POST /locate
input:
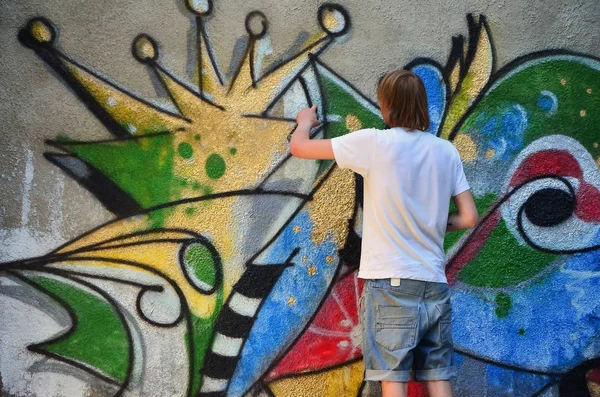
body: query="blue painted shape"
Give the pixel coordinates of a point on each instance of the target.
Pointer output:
(477, 378)
(489, 128)
(436, 93)
(558, 336)
(280, 321)
(514, 124)
(503, 130)
(548, 102)
(503, 382)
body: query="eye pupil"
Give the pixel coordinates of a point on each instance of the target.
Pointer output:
(549, 207)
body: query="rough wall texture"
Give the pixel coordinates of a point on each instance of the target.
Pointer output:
(158, 240)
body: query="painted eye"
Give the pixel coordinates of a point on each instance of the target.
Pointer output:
(541, 213)
(549, 207)
(201, 264)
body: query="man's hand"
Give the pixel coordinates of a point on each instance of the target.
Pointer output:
(308, 116)
(301, 145)
(466, 216)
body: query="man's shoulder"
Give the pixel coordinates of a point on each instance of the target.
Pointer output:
(440, 142)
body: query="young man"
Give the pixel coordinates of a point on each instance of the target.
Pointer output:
(410, 176)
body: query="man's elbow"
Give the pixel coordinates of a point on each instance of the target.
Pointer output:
(297, 150)
(294, 149)
(472, 220)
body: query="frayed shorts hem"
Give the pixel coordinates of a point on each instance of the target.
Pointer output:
(387, 376)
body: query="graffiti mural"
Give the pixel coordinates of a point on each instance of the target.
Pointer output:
(230, 267)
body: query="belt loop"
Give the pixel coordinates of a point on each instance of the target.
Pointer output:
(395, 282)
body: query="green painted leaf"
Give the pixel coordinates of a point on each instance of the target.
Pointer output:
(98, 339)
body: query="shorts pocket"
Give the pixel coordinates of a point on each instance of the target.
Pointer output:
(396, 327)
(445, 311)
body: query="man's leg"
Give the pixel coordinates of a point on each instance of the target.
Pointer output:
(394, 389)
(439, 388)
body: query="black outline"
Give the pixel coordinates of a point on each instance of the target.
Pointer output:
(216, 258)
(202, 39)
(135, 53)
(445, 79)
(334, 7)
(246, 287)
(157, 68)
(508, 68)
(110, 195)
(52, 57)
(502, 200)
(38, 347)
(264, 22)
(40, 266)
(56, 60)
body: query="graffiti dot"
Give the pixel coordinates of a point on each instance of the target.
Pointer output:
(215, 166)
(196, 186)
(521, 331)
(232, 150)
(200, 7)
(596, 144)
(183, 182)
(190, 211)
(41, 31)
(197, 137)
(466, 147)
(346, 323)
(206, 190)
(185, 150)
(563, 81)
(344, 343)
(582, 113)
(312, 270)
(256, 25)
(304, 259)
(490, 153)
(548, 102)
(334, 19)
(199, 265)
(353, 123)
(297, 229)
(589, 90)
(111, 101)
(549, 207)
(503, 305)
(329, 259)
(291, 301)
(145, 48)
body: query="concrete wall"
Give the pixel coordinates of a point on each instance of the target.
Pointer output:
(158, 240)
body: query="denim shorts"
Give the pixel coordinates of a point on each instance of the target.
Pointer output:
(406, 327)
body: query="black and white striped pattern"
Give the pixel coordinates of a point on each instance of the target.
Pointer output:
(234, 325)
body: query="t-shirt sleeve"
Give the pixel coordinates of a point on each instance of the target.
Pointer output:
(460, 180)
(355, 150)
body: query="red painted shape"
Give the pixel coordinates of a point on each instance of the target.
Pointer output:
(331, 338)
(593, 375)
(417, 389)
(469, 251)
(547, 162)
(588, 203)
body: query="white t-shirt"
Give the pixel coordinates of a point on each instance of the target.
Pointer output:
(409, 179)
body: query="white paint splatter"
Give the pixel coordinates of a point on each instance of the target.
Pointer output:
(56, 200)
(27, 185)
